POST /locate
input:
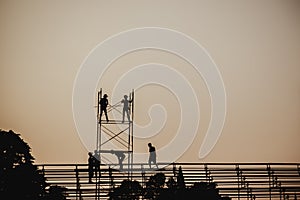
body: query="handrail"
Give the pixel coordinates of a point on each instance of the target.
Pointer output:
(236, 180)
(185, 163)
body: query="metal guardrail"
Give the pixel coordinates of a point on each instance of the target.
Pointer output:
(234, 180)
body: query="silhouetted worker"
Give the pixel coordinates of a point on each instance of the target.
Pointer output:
(96, 163)
(152, 155)
(126, 102)
(121, 156)
(103, 106)
(91, 166)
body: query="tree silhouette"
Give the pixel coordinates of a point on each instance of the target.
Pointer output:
(127, 190)
(177, 190)
(157, 189)
(19, 178)
(205, 191)
(56, 193)
(13, 151)
(154, 186)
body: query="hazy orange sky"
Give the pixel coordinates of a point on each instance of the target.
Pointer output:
(254, 43)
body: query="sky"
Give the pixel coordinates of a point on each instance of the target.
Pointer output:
(255, 45)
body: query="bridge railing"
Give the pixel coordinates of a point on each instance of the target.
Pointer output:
(235, 180)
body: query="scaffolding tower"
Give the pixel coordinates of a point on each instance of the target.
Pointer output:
(117, 131)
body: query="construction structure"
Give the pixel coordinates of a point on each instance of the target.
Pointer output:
(114, 148)
(115, 136)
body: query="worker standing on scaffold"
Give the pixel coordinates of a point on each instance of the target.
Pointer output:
(152, 155)
(90, 166)
(103, 105)
(126, 102)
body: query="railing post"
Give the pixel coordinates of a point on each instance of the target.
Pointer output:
(143, 175)
(78, 191)
(270, 180)
(237, 168)
(174, 170)
(111, 177)
(207, 174)
(44, 176)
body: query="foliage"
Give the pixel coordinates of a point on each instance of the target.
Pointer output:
(157, 189)
(154, 186)
(19, 178)
(56, 193)
(127, 190)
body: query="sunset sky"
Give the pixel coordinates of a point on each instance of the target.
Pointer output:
(255, 45)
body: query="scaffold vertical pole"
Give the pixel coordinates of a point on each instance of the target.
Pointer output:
(114, 130)
(98, 143)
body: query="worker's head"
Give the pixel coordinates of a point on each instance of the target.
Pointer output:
(149, 144)
(125, 96)
(105, 95)
(90, 153)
